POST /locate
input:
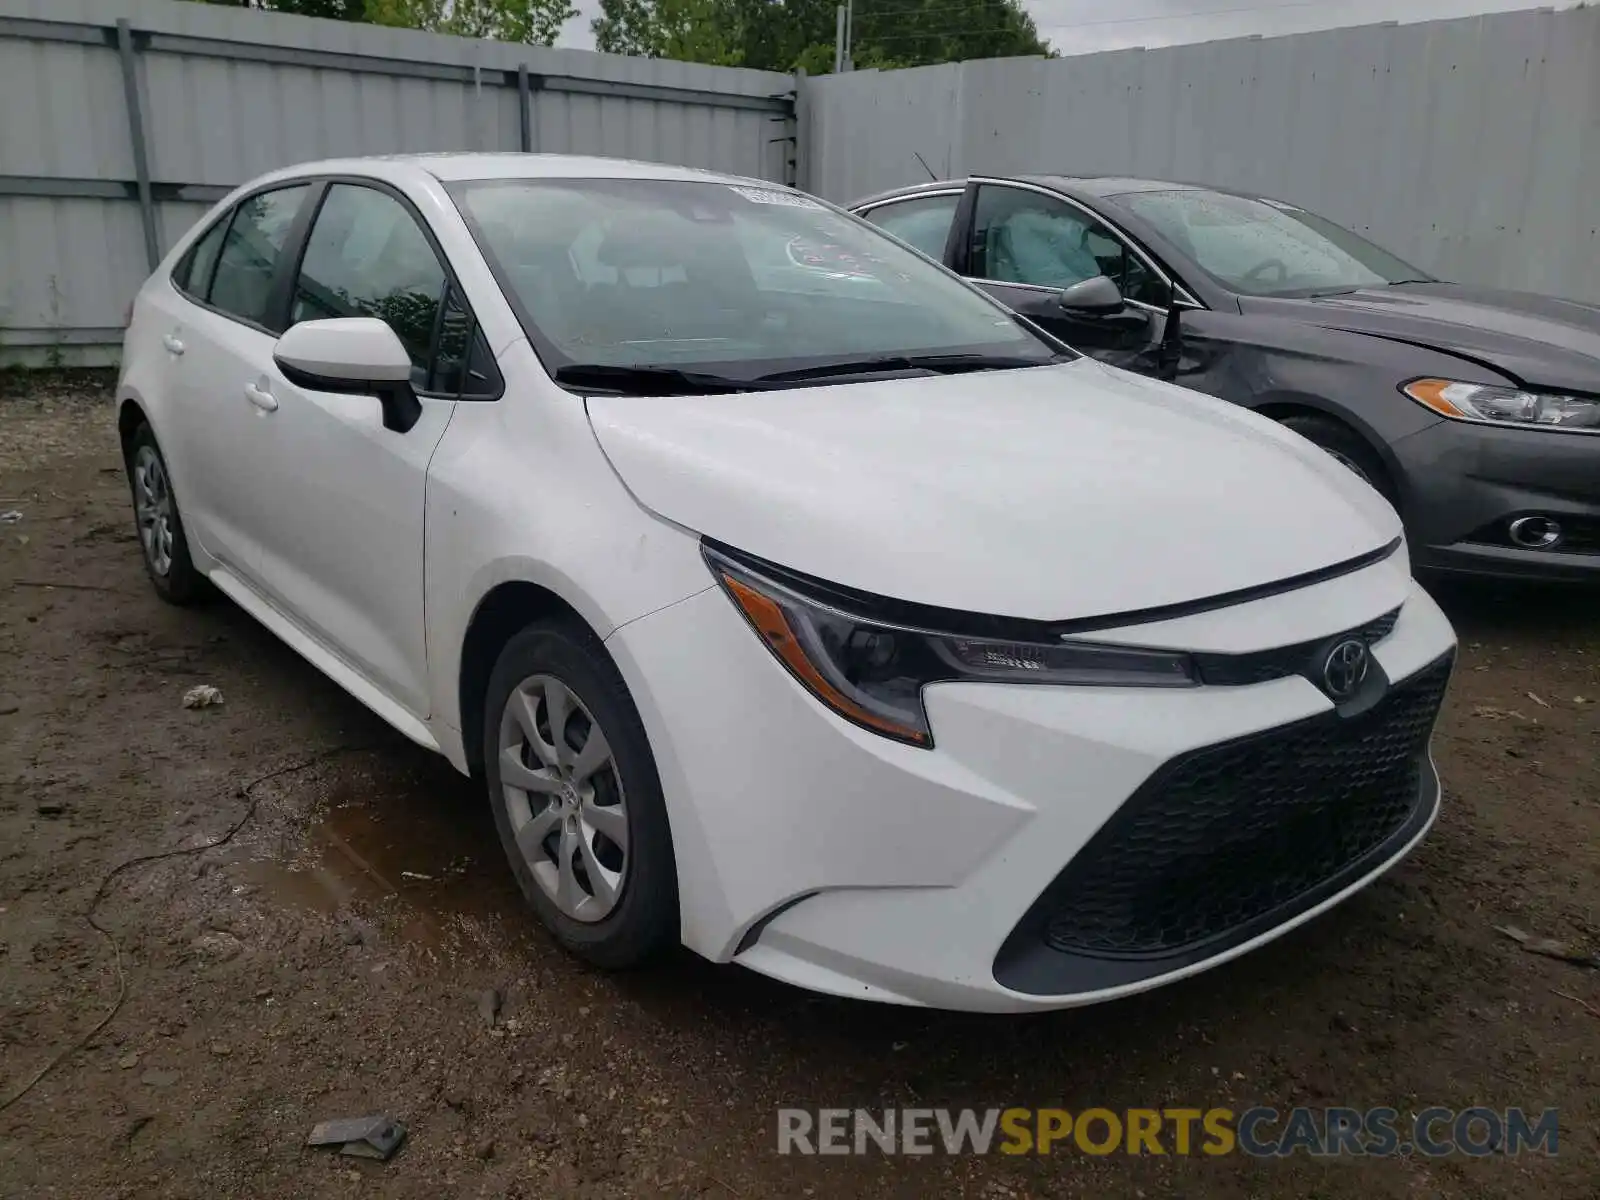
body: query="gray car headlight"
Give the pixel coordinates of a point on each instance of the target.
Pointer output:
(872, 672)
(1505, 405)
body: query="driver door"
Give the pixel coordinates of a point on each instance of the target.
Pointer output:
(343, 553)
(1027, 247)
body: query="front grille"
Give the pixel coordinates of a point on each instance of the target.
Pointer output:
(1238, 670)
(1225, 836)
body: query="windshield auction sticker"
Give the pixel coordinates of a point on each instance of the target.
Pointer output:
(763, 196)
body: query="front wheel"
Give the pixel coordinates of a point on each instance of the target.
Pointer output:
(1345, 446)
(576, 798)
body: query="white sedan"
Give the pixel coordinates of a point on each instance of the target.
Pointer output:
(801, 606)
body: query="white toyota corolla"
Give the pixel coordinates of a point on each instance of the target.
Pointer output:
(794, 600)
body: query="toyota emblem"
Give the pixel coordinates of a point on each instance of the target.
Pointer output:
(1345, 668)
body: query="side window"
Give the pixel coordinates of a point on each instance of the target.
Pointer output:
(248, 263)
(923, 222)
(1135, 280)
(367, 257)
(193, 273)
(483, 381)
(1019, 236)
(462, 364)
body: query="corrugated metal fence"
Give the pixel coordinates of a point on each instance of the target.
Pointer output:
(1470, 147)
(121, 121)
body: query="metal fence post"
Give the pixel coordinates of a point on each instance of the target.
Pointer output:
(799, 168)
(525, 107)
(141, 159)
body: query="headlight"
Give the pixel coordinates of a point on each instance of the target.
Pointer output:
(1505, 405)
(872, 672)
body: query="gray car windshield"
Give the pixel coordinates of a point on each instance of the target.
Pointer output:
(1266, 247)
(745, 281)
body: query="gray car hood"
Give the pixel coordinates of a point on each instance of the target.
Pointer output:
(1536, 341)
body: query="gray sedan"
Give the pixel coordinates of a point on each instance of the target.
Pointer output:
(1477, 412)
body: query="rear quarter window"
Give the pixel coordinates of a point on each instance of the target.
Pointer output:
(193, 272)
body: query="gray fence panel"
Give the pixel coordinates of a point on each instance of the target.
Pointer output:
(1470, 146)
(226, 94)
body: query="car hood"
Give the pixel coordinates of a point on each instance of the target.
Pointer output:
(1053, 492)
(1538, 341)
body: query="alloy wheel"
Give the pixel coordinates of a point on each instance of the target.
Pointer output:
(152, 503)
(1346, 461)
(564, 798)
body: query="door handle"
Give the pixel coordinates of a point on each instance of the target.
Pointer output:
(261, 398)
(173, 345)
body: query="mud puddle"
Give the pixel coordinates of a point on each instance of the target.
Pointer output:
(408, 848)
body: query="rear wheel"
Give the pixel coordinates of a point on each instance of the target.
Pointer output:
(159, 523)
(1345, 446)
(576, 798)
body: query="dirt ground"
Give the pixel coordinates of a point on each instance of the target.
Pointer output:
(330, 960)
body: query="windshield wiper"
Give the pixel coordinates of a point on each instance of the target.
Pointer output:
(674, 381)
(648, 381)
(942, 363)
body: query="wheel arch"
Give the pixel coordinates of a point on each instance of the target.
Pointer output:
(130, 415)
(1280, 405)
(501, 613)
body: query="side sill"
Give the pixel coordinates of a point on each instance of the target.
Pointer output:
(320, 657)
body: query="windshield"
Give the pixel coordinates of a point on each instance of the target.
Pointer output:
(1266, 247)
(740, 281)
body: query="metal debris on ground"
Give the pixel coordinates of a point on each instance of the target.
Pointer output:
(360, 1137)
(1490, 713)
(202, 696)
(1538, 699)
(489, 1005)
(1549, 947)
(11, 516)
(416, 875)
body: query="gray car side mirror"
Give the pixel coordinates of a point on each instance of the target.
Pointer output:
(1092, 297)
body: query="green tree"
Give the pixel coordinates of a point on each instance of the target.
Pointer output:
(533, 22)
(781, 35)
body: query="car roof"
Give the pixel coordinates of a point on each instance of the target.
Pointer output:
(465, 165)
(1113, 185)
(1092, 186)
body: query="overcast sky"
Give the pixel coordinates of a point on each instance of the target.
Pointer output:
(1083, 26)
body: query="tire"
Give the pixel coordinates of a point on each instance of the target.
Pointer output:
(1346, 446)
(617, 904)
(159, 525)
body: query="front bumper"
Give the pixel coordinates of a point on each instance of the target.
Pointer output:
(818, 853)
(1464, 484)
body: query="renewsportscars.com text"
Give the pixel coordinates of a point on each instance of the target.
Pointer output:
(1260, 1132)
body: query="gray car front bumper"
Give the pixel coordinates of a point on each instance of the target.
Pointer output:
(1463, 484)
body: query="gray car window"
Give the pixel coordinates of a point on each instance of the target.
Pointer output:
(923, 222)
(1023, 236)
(1266, 247)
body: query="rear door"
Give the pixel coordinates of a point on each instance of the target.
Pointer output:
(343, 552)
(217, 328)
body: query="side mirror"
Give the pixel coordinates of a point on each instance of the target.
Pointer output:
(358, 356)
(1092, 297)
